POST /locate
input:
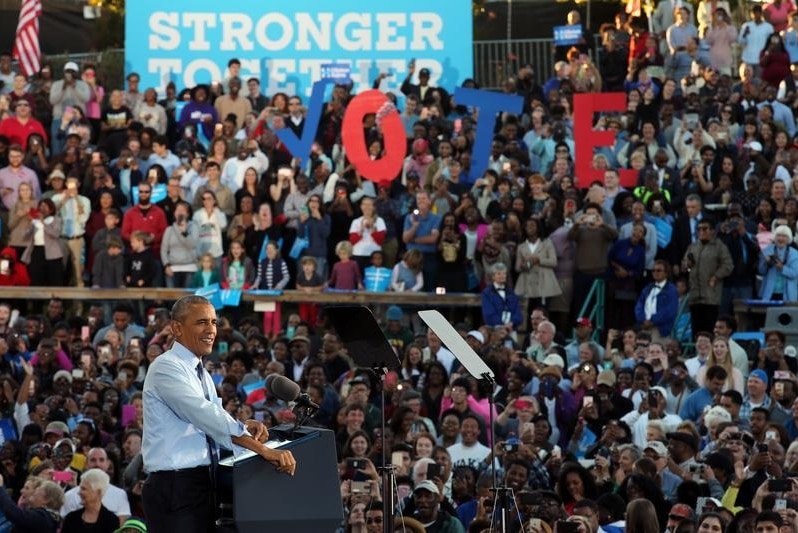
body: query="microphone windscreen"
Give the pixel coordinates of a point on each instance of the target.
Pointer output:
(284, 388)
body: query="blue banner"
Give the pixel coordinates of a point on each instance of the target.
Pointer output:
(287, 44)
(565, 35)
(336, 72)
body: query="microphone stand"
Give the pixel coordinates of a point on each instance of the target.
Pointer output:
(500, 493)
(387, 470)
(301, 415)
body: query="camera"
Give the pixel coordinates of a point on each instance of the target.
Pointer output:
(510, 445)
(696, 468)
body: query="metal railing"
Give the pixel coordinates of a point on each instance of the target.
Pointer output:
(593, 308)
(494, 61)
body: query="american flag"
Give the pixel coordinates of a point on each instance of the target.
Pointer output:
(26, 45)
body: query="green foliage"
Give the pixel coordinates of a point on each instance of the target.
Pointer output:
(110, 27)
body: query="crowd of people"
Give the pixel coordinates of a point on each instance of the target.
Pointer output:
(659, 421)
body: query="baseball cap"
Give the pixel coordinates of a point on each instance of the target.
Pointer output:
(427, 485)
(477, 335)
(132, 525)
(359, 379)
(71, 65)
(755, 145)
(57, 427)
(681, 511)
(56, 174)
(552, 371)
(299, 338)
(686, 438)
(760, 375)
(607, 377)
(394, 313)
(423, 72)
(62, 374)
(660, 390)
(554, 360)
(658, 447)
(584, 322)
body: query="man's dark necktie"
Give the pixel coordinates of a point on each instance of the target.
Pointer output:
(211, 443)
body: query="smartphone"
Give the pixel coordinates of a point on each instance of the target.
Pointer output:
(151, 320)
(360, 487)
(779, 485)
(105, 350)
(587, 401)
(434, 470)
(780, 504)
(781, 374)
(77, 373)
(85, 333)
(85, 360)
(527, 426)
(563, 526)
(762, 448)
(778, 389)
(748, 440)
(506, 167)
(5, 266)
(128, 414)
(65, 476)
(652, 399)
(397, 458)
(522, 404)
(134, 342)
(223, 347)
(701, 505)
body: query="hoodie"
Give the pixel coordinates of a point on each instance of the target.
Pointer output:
(15, 273)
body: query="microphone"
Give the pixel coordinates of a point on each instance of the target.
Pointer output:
(286, 390)
(304, 400)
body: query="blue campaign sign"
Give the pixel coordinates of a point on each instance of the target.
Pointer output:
(565, 35)
(287, 44)
(336, 72)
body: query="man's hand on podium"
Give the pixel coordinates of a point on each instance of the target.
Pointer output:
(257, 430)
(283, 460)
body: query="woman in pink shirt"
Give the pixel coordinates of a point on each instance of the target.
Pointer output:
(97, 93)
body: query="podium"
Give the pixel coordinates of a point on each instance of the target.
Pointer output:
(264, 499)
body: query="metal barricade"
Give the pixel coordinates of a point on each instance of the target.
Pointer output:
(494, 61)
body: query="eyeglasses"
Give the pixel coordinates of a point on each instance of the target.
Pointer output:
(143, 192)
(374, 520)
